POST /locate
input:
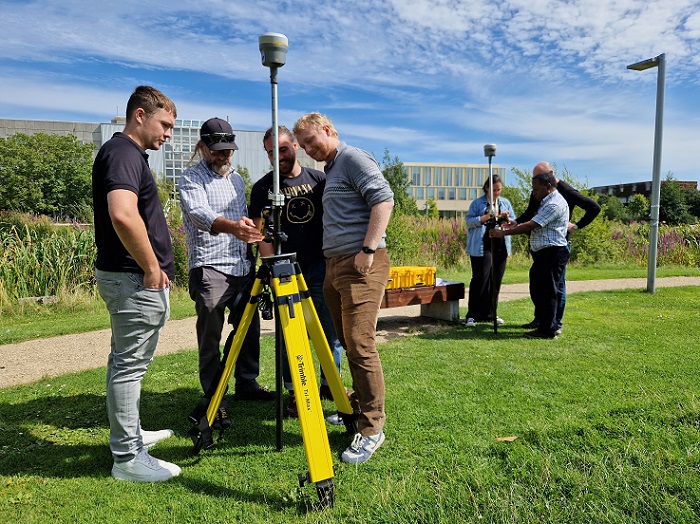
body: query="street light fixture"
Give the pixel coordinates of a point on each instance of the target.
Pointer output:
(660, 63)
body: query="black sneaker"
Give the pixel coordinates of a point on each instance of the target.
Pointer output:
(531, 325)
(256, 394)
(325, 392)
(536, 333)
(291, 408)
(222, 420)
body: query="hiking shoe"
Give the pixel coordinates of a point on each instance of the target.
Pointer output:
(335, 419)
(222, 420)
(362, 448)
(145, 468)
(151, 438)
(325, 392)
(291, 408)
(257, 394)
(531, 325)
(470, 322)
(536, 333)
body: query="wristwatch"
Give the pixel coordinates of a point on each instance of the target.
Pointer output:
(368, 250)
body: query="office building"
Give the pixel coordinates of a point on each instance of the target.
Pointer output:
(625, 192)
(451, 186)
(173, 157)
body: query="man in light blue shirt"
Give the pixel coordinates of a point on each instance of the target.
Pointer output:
(218, 231)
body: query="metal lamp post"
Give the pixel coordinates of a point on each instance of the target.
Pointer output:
(660, 63)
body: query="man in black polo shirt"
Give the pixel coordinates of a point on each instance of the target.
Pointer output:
(133, 270)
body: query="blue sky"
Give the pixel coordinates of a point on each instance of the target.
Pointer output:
(431, 81)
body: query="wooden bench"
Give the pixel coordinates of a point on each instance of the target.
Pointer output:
(441, 301)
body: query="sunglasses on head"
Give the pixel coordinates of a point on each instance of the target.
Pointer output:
(215, 138)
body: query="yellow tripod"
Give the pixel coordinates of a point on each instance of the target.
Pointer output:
(298, 321)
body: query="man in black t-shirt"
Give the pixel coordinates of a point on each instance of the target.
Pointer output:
(302, 222)
(133, 269)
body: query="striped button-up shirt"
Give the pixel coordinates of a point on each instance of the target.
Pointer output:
(553, 218)
(204, 196)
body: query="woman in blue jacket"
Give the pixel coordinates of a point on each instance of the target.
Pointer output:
(480, 219)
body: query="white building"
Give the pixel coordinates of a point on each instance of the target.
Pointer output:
(451, 186)
(173, 158)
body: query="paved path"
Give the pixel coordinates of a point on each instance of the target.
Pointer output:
(50, 357)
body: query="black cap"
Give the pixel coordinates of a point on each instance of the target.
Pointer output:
(218, 135)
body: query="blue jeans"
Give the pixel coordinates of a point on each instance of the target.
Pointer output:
(314, 274)
(137, 315)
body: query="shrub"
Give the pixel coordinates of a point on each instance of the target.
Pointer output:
(173, 216)
(420, 241)
(594, 243)
(38, 261)
(401, 240)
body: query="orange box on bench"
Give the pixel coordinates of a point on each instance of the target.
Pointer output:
(410, 276)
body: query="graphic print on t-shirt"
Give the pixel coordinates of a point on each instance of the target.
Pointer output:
(300, 209)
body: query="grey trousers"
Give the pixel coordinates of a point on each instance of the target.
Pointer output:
(212, 292)
(137, 315)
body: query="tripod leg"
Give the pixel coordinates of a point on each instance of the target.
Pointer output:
(236, 345)
(324, 354)
(201, 432)
(313, 426)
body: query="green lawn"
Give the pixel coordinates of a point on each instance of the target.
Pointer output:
(606, 421)
(88, 314)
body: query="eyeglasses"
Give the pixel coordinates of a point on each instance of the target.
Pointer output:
(215, 138)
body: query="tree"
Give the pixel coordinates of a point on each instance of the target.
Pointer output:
(519, 192)
(639, 207)
(433, 211)
(613, 209)
(692, 198)
(517, 198)
(245, 175)
(673, 208)
(397, 176)
(46, 174)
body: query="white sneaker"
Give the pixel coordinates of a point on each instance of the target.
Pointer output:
(145, 468)
(335, 419)
(362, 448)
(500, 321)
(151, 438)
(471, 322)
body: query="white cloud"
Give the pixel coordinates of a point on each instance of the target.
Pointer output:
(424, 77)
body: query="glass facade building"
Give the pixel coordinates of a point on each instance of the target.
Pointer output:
(451, 186)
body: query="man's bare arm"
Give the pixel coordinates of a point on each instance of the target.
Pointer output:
(127, 222)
